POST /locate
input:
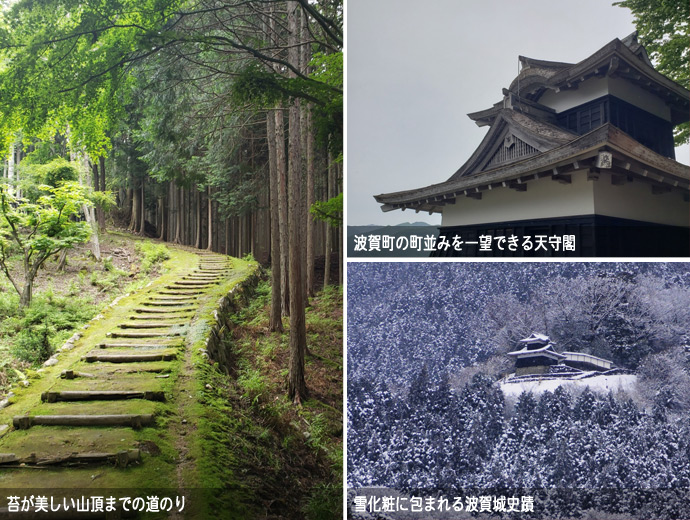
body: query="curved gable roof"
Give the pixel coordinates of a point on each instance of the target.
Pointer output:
(639, 160)
(537, 134)
(623, 58)
(536, 73)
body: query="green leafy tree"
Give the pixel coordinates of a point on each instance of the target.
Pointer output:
(328, 69)
(663, 29)
(330, 210)
(38, 230)
(52, 174)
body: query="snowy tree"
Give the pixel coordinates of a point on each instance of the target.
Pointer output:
(425, 412)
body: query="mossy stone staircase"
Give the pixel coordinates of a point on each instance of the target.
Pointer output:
(104, 416)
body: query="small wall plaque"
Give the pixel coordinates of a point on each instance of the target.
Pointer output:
(604, 160)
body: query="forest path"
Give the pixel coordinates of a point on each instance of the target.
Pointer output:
(110, 413)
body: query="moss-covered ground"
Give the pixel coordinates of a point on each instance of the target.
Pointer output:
(225, 437)
(65, 299)
(158, 444)
(257, 454)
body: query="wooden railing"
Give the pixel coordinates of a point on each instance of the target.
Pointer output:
(578, 357)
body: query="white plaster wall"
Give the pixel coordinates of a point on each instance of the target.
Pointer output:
(594, 88)
(544, 198)
(639, 97)
(634, 200)
(588, 90)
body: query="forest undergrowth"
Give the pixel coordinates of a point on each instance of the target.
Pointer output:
(427, 413)
(66, 299)
(271, 458)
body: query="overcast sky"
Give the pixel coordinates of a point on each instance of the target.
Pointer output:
(415, 69)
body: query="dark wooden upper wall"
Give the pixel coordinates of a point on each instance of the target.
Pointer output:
(648, 129)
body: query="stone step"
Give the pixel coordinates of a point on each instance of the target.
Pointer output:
(182, 319)
(166, 304)
(72, 374)
(187, 296)
(170, 303)
(174, 298)
(177, 312)
(120, 458)
(181, 292)
(150, 334)
(188, 287)
(130, 358)
(184, 283)
(155, 325)
(101, 395)
(148, 346)
(132, 420)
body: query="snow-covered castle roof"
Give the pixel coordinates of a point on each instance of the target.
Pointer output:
(536, 338)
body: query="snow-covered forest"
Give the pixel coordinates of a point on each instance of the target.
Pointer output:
(427, 344)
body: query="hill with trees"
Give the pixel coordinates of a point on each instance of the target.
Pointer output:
(427, 344)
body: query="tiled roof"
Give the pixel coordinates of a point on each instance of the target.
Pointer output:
(642, 162)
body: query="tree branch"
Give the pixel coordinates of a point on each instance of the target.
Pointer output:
(324, 22)
(3, 256)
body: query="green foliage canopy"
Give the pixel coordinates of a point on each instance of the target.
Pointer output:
(35, 177)
(66, 61)
(663, 29)
(63, 63)
(263, 88)
(330, 211)
(41, 229)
